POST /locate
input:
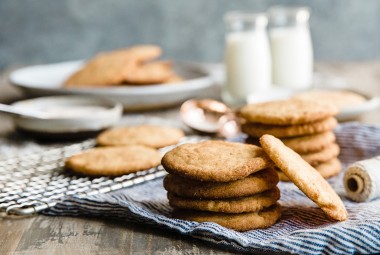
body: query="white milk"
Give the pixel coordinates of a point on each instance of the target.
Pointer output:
(292, 56)
(248, 64)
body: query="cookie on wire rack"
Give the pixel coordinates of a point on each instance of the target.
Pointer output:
(114, 161)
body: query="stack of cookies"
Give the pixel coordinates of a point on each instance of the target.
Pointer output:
(304, 126)
(232, 184)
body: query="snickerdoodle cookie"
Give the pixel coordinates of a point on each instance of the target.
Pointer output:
(231, 205)
(305, 177)
(257, 130)
(217, 161)
(339, 98)
(319, 157)
(303, 144)
(236, 221)
(327, 169)
(148, 135)
(287, 112)
(114, 161)
(255, 183)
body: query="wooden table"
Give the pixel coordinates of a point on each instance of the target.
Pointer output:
(68, 235)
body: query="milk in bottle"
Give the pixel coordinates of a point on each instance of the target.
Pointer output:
(247, 57)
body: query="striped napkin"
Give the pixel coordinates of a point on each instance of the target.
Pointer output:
(302, 229)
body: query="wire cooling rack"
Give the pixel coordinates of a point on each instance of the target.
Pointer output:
(35, 182)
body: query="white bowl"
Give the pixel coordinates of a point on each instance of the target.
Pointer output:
(68, 115)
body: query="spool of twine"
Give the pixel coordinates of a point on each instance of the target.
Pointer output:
(362, 180)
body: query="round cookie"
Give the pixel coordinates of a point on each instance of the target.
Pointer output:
(252, 203)
(305, 177)
(255, 183)
(310, 143)
(327, 170)
(239, 221)
(217, 161)
(148, 135)
(114, 161)
(257, 130)
(340, 98)
(319, 157)
(303, 144)
(287, 112)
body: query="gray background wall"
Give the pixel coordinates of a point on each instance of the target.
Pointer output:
(40, 31)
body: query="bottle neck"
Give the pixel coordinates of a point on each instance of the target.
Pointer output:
(245, 22)
(289, 17)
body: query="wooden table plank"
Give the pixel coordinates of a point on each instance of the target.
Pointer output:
(70, 235)
(11, 232)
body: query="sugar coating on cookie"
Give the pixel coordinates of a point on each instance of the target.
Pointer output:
(305, 177)
(287, 112)
(148, 135)
(114, 161)
(257, 130)
(252, 203)
(217, 161)
(255, 183)
(236, 221)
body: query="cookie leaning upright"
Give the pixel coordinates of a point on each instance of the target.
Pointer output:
(305, 177)
(304, 126)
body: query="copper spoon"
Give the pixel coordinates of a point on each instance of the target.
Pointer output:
(209, 116)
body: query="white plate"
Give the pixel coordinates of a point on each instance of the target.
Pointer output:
(346, 113)
(68, 114)
(45, 80)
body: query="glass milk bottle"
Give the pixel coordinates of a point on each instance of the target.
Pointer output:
(291, 47)
(247, 56)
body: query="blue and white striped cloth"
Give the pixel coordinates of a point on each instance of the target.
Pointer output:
(302, 229)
